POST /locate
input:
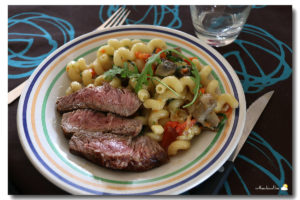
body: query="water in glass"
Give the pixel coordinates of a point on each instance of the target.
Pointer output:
(219, 25)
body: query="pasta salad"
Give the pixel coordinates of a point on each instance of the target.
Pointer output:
(180, 96)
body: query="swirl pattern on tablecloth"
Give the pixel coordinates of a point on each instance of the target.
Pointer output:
(260, 42)
(159, 15)
(278, 163)
(265, 45)
(258, 6)
(36, 27)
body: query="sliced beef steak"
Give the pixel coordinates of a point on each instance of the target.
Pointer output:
(113, 151)
(83, 120)
(103, 98)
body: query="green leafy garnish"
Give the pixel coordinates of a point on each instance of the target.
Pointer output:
(148, 73)
(124, 72)
(172, 58)
(110, 74)
(136, 70)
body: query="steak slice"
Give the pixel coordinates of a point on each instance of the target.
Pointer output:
(93, 121)
(140, 153)
(103, 98)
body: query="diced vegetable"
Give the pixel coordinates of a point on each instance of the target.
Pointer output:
(202, 107)
(213, 119)
(170, 134)
(182, 128)
(166, 68)
(228, 110)
(183, 70)
(162, 55)
(190, 59)
(93, 72)
(202, 90)
(142, 56)
(188, 62)
(173, 129)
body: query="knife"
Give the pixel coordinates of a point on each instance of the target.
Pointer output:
(215, 182)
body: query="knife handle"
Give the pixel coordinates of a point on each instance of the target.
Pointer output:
(215, 182)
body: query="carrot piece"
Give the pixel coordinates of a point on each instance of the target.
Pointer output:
(157, 50)
(185, 60)
(191, 58)
(172, 129)
(137, 54)
(184, 70)
(93, 72)
(142, 56)
(202, 90)
(172, 124)
(207, 124)
(184, 126)
(102, 50)
(162, 55)
(228, 111)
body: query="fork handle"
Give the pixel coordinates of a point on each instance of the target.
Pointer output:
(15, 93)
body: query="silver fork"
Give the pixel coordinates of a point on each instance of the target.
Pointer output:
(117, 19)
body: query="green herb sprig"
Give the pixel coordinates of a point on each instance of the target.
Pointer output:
(124, 72)
(148, 73)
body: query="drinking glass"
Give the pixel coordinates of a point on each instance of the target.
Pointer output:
(219, 25)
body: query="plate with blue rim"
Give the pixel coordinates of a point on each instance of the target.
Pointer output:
(47, 148)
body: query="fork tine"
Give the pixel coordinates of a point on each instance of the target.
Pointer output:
(110, 18)
(120, 10)
(115, 18)
(122, 18)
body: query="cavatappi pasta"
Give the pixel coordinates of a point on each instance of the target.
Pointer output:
(172, 85)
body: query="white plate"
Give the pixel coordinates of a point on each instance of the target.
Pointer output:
(47, 148)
